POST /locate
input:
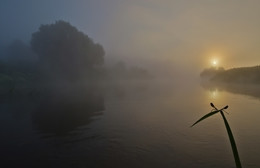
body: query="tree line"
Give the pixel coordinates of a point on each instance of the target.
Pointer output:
(58, 52)
(241, 75)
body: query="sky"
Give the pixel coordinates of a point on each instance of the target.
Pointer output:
(178, 34)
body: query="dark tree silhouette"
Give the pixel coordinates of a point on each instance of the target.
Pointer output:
(211, 72)
(66, 53)
(242, 75)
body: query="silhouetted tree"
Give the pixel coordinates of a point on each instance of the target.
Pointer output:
(211, 72)
(66, 53)
(242, 75)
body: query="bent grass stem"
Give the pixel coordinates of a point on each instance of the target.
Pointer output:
(230, 135)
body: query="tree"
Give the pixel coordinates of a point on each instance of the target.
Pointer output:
(211, 72)
(66, 53)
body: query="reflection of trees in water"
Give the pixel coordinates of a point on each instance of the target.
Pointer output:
(244, 89)
(54, 110)
(60, 112)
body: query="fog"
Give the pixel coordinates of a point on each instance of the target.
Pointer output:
(149, 33)
(117, 83)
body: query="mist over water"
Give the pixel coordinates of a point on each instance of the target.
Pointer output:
(131, 124)
(119, 83)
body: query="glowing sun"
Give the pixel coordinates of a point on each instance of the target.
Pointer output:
(214, 62)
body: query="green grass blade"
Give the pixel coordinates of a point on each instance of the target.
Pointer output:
(206, 116)
(232, 142)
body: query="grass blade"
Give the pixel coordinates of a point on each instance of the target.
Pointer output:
(230, 135)
(206, 116)
(232, 141)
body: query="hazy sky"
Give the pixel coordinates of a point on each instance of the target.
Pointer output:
(177, 33)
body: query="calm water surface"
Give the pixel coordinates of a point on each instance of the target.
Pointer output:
(129, 125)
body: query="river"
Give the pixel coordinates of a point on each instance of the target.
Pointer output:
(129, 125)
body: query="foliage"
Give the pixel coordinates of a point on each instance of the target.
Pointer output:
(210, 72)
(64, 52)
(241, 75)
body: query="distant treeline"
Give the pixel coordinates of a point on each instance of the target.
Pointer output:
(59, 52)
(242, 75)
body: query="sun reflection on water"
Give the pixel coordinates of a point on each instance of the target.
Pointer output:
(214, 93)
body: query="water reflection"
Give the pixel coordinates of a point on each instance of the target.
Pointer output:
(140, 128)
(213, 93)
(60, 112)
(56, 111)
(243, 89)
(44, 129)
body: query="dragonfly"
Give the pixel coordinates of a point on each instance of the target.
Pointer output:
(230, 135)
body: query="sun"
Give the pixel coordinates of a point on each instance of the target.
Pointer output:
(214, 62)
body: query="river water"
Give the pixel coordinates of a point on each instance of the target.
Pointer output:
(129, 125)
